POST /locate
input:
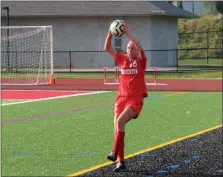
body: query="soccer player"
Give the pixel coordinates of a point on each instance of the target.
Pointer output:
(131, 92)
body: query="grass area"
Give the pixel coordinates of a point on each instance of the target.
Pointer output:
(160, 75)
(50, 142)
(201, 62)
(189, 75)
(182, 74)
(188, 69)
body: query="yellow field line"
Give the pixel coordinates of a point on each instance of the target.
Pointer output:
(148, 150)
(174, 94)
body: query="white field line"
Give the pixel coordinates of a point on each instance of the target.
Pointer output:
(52, 98)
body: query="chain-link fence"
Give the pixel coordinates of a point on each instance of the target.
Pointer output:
(204, 45)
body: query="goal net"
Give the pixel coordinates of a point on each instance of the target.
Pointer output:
(112, 76)
(26, 55)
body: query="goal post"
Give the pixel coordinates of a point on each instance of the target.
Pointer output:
(27, 55)
(112, 76)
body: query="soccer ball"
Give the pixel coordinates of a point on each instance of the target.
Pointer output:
(116, 28)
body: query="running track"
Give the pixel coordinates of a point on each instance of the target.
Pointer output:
(35, 94)
(98, 84)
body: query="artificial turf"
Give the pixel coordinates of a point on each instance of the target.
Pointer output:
(64, 143)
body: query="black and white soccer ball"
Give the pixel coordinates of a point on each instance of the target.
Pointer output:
(117, 27)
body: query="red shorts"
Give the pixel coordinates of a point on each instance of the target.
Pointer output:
(136, 103)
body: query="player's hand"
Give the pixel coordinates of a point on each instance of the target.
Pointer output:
(109, 31)
(126, 29)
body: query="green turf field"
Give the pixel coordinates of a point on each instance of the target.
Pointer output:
(203, 62)
(168, 75)
(210, 75)
(53, 144)
(187, 69)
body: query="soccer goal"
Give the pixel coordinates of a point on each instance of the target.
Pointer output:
(112, 76)
(26, 55)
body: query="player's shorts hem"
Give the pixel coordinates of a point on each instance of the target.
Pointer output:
(137, 114)
(117, 112)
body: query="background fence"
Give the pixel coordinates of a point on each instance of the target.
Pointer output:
(197, 48)
(201, 45)
(204, 48)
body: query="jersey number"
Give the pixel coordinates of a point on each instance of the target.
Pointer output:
(133, 65)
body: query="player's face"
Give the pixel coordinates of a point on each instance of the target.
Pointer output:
(132, 51)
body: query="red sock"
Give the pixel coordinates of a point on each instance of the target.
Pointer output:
(118, 139)
(121, 149)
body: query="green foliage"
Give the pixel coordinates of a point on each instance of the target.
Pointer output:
(190, 36)
(219, 6)
(210, 6)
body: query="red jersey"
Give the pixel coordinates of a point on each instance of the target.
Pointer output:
(132, 80)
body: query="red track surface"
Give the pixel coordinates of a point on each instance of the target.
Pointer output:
(34, 94)
(98, 84)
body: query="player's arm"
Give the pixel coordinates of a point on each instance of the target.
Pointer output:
(108, 45)
(137, 43)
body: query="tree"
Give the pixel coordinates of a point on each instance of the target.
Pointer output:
(210, 6)
(219, 6)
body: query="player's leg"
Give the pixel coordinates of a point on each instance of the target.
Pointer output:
(132, 110)
(119, 107)
(124, 117)
(115, 121)
(114, 154)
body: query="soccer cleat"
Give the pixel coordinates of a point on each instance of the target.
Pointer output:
(112, 156)
(119, 167)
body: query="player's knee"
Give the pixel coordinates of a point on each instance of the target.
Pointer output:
(120, 123)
